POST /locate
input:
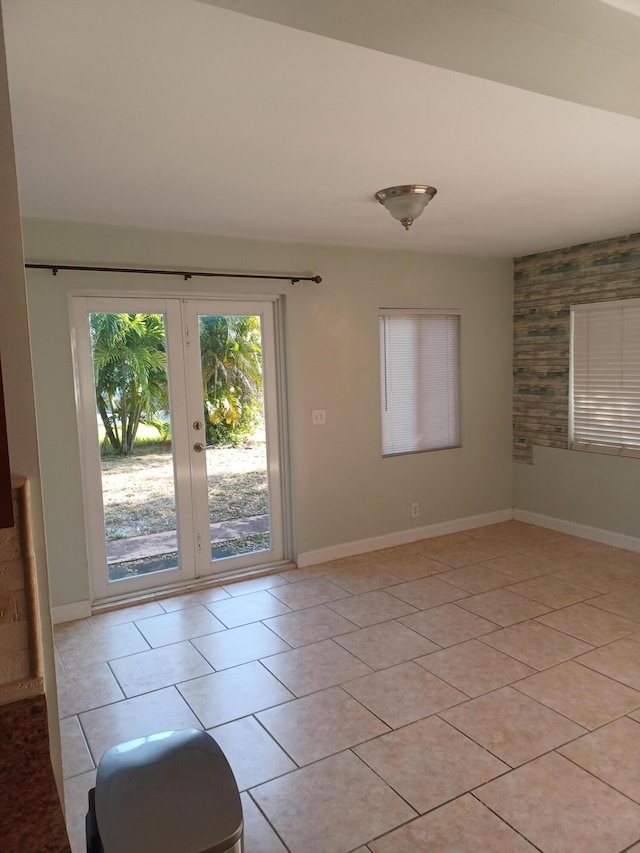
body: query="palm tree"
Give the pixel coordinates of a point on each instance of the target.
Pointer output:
(129, 362)
(231, 353)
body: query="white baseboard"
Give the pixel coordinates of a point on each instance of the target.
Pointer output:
(403, 537)
(70, 612)
(596, 534)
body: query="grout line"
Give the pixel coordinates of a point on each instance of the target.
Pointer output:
(264, 815)
(472, 793)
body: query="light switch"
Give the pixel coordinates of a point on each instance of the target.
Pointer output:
(318, 417)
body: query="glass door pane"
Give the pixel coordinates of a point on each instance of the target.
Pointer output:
(137, 466)
(231, 362)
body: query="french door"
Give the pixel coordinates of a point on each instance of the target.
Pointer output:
(179, 404)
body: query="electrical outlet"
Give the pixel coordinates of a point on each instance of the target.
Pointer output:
(415, 510)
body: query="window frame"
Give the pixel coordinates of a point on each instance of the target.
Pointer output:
(599, 310)
(384, 313)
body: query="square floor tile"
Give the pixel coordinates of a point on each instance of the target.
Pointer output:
(456, 550)
(410, 566)
(332, 806)
(474, 667)
(559, 808)
(403, 694)
(310, 625)
(179, 625)
(429, 762)
(371, 607)
(612, 754)
(156, 668)
(160, 711)
(553, 591)
(427, 592)
(317, 571)
(254, 584)
(321, 724)
(78, 650)
(76, 757)
(476, 579)
(463, 826)
(191, 599)
(124, 614)
(368, 561)
(233, 693)
(590, 624)
(68, 630)
(248, 608)
(253, 755)
(258, 835)
(624, 601)
(447, 625)
(363, 579)
(601, 574)
(76, 791)
(386, 644)
(536, 645)
(86, 688)
(239, 645)
(512, 536)
(315, 667)
(521, 565)
(503, 607)
(308, 593)
(619, 660)
(586, 697)
(512, 726)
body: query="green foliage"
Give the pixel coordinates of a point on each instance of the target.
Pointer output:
(232, 377)
(129, 362)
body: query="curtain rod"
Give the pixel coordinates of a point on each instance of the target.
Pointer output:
(186, 274)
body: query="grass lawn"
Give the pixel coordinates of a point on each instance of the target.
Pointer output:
(138, 490)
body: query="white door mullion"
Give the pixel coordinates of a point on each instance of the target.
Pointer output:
(197, 461)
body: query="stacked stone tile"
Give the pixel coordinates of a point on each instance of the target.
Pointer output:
(546, 285)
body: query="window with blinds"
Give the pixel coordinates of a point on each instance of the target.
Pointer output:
(420, 380)
(605, 377)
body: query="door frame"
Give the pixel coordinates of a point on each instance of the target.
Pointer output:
(104, 592)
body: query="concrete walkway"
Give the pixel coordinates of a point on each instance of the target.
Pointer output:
(156, 544)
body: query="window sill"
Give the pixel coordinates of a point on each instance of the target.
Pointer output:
(630, 452)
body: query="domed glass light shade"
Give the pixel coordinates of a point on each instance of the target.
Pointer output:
(406, 203)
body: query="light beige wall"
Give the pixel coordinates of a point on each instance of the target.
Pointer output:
(343, 490)
(18, 386)
(585, 488)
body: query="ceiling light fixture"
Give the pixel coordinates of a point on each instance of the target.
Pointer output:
(407, 202)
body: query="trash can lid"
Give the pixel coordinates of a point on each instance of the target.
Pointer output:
(172, 792)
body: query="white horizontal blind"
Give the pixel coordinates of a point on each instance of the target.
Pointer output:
(605, 374)
(420, 381)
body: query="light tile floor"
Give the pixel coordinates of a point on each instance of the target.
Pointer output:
(473, 692)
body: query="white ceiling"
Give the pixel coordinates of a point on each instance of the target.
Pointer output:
(632, 6)
(176, 114)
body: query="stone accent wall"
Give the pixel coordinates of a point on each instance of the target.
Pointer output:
(546, 285)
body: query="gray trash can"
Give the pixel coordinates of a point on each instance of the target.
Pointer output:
(172, 792)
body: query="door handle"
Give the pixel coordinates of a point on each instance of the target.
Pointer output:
(199, 447)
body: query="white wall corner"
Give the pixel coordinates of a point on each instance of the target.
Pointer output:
(71, 612)
(596, 534)
(402, 537)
